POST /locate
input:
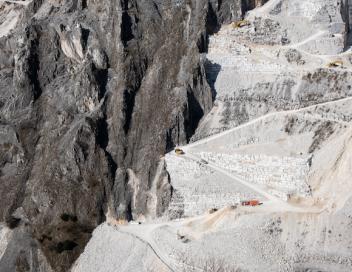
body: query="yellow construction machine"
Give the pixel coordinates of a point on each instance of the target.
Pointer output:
(179, 151)
(240, 24)
(336, 63)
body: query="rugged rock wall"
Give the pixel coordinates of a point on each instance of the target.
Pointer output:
(92, 93)
(251, 4)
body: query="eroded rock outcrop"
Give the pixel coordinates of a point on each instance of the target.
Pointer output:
(92, 93)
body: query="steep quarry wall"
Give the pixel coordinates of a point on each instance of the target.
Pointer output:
(347, 12)
(251, 4)
(349, 8)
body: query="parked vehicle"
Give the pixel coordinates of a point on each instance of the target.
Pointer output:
(336, 63)
(253, 202)
(179, 151)
(240, 24)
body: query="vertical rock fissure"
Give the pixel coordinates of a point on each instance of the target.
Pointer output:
(126, 23)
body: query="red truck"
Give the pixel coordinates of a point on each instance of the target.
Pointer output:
(253, 202)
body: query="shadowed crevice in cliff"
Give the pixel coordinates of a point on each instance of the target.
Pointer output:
(202, 43)
(102, 138)
(101, 77)
(345, 13)
(170, 144)
(102, 134)
(248, 5)
(195, 113)
(129, 101)
(212, 23)
(34, 64)
(85, 36)
(84, 4)
(126, 28)
(219, 4)
(126, 23)
(212, 72)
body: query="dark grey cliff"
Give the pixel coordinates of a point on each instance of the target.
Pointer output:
(92, 94)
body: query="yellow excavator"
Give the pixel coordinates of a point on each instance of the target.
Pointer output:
(336, 63)
(179, 151)
(240, 24)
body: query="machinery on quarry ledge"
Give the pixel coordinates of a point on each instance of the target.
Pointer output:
(336, 63)
(252, 203)
(179, 151)
(240, 24)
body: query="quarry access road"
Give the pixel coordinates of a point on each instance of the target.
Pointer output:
(144, 233)
(234, 178)
(276, 204)
(271, 114)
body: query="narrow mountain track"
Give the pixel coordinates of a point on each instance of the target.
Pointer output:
(261, 118)
(151, 244)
